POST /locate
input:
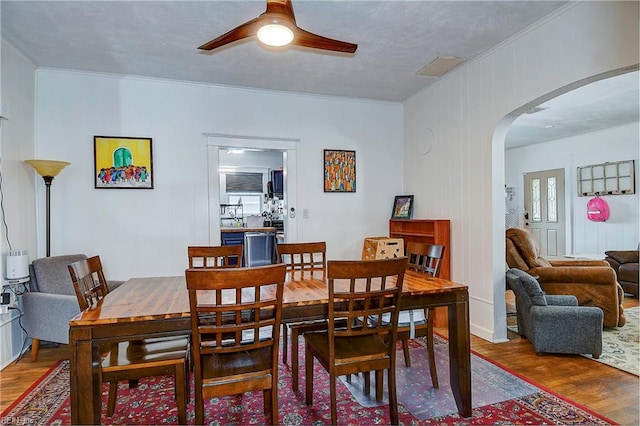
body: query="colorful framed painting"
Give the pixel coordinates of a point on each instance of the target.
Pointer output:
(339, 171)
(402, 207)
(122, 162)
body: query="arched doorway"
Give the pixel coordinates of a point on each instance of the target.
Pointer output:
(511, 126)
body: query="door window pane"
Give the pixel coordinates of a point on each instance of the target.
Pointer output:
(536, 215)
(552, 200)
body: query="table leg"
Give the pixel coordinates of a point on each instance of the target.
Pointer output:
(84, 377)
(460, 355)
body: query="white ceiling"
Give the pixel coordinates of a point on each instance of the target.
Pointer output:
(603, 104)
(160, 38)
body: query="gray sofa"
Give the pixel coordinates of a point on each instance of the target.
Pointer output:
(51, 301)
(555, 323)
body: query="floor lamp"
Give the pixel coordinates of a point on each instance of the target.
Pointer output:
(48, 169)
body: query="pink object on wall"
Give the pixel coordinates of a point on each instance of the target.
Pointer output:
(597, 210)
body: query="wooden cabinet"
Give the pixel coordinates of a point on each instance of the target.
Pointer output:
(437, 231)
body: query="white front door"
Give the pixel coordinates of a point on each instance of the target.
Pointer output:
(544, 210)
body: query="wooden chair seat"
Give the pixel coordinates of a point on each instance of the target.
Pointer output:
(145, 351)
(350, 350)
(250, 366)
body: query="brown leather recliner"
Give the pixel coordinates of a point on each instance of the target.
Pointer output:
(625, 263)
(593, 282)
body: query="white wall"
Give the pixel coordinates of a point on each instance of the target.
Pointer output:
(462, 177)
(615, 144)
(146, 232)
(18, 180)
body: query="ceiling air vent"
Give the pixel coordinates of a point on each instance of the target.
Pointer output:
(440, 66)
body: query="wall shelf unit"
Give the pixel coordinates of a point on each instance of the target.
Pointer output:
(231, 215)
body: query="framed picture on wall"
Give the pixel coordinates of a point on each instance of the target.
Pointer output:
(402, 207)
(122, 162)
(339, 171)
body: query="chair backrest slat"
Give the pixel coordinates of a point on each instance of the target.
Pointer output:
(215, 256)
(235, 309)
(89, 282)
(362, 292)
(424, 257)
(303, 256)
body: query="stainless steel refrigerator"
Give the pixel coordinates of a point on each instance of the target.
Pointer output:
(259, 248)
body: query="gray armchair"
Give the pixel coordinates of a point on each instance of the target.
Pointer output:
(555, 323)
(51, 301)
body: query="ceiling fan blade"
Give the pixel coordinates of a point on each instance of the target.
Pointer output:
(248, 29)
(280, 7)
(306, 39)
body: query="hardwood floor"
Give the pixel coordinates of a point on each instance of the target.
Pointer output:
(608, 391)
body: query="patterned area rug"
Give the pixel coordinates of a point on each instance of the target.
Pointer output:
(620, 346)
(498, 398)
(491, 384)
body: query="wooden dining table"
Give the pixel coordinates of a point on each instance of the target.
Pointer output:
(159, 306)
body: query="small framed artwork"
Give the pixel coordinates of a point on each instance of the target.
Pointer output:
(122, 162)
(402, 207)
(339, 171)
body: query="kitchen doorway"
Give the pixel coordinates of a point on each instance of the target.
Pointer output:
(252, 187)
(276, 154)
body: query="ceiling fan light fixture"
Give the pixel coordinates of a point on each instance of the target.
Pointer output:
(276, 27)
(275, 34)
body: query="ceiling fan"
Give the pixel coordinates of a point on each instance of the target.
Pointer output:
(277, 27)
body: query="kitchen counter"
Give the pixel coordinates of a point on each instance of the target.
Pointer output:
(260, 229)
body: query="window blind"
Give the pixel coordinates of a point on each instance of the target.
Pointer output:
(244, 182)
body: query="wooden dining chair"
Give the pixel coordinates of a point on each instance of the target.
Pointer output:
(414, 323)
(235, 320)
(215, 256)
(136, 359)
(358, 291)
(89, 281)
(302, 257)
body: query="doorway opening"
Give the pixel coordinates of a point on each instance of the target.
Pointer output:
(252, 189)
(252, 184)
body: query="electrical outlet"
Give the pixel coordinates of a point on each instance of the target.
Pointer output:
(8, 300)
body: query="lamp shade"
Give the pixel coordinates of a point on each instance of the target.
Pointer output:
(47, 167)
